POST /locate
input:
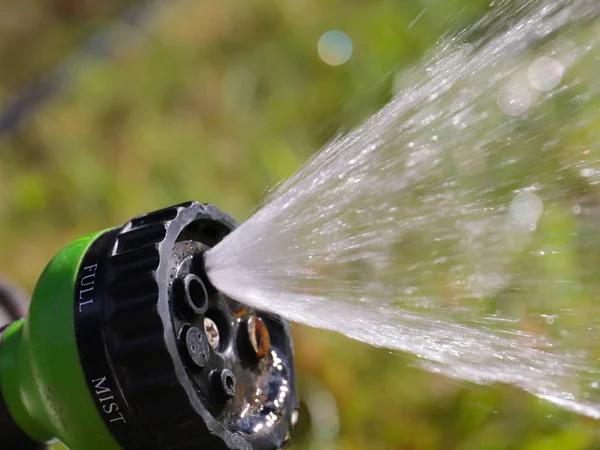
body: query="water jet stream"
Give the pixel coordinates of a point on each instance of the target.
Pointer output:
(460, 222)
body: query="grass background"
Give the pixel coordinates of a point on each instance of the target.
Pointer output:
(217, 101)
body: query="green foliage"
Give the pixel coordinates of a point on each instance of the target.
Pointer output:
(217, 102)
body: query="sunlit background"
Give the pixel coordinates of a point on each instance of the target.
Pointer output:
(146, 104)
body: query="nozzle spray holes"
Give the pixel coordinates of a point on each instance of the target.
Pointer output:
(197, 346)
(195, 294)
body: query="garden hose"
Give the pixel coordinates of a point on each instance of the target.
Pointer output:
(127, 345)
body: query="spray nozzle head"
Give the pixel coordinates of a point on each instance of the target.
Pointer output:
(193, 365)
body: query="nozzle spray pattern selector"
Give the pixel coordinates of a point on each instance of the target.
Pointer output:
(169, 361)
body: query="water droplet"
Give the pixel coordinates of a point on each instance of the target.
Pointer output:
(545, 73)
(526, 207)
(514, 98)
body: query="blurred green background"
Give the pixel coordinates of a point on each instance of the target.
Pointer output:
(218, 101)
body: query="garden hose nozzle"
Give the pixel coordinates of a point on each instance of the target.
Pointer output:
(128, 345)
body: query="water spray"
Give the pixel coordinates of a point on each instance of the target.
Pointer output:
(458, 223)
(127, 344)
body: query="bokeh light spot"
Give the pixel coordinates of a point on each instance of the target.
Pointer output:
(335, 47)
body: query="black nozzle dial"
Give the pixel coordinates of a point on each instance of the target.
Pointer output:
(187, 366)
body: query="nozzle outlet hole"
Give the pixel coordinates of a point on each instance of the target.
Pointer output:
(253, 339)
(259, 337)
(218, 329)
(196, 295)
(228, 382)
(212, 333)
